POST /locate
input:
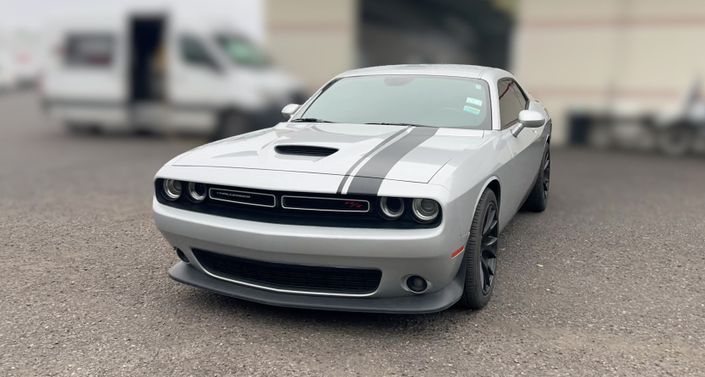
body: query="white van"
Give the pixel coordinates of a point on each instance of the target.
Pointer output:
(8, 74)
(8, 79)
(155, 71)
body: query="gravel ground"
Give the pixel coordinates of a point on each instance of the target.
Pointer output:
(609, 280)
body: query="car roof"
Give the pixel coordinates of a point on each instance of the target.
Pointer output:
(455, 70)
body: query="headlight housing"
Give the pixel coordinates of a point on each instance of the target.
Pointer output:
(172, 189)
(197, 191)
(425, 210)
(392, 208)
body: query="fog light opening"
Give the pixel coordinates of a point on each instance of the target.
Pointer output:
(182, 256)
(416, 284)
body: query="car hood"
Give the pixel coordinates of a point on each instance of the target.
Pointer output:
(412, 154)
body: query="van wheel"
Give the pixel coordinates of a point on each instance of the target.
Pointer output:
(676, 141)
(231, 123)
(600, 136)
(77, 128)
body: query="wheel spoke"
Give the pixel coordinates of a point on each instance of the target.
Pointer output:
(489, 253)
(492, 266)
(490, 221)
(488, 248)
(489, 242)
(489, 227)
(546, 175)
(486, 220)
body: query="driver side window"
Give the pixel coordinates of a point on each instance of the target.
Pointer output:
(193, 52)
(511, 101)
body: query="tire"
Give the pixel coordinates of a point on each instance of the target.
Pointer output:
(676, 141)
(231, 123)
(75, 128)
(601, 136)
(538, 198)
(480, 258)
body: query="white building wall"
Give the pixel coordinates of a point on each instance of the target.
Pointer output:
(631, 56)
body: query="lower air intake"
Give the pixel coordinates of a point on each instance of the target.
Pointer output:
(289, 276)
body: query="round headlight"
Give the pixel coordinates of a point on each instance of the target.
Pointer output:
(172, 189)
(197, 191)
(392, 208)
(425, 210)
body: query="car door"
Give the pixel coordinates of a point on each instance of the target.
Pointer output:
(521, 170)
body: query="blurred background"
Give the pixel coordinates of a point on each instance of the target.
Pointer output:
(96, 96)
(614, 73)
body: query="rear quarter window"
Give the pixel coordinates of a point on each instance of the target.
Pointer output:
(511, 102)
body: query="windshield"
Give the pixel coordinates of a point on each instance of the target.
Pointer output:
(241, 51)
(424, 100)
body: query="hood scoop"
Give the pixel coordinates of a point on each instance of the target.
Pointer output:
(305, 150)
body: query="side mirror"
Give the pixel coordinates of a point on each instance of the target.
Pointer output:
(529, 119)
(289, 110)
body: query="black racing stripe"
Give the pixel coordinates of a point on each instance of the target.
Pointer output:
(368, 180)
(355, 165)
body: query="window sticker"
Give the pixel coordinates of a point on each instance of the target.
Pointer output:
(478, 86)
(471, 110)
(473, 101)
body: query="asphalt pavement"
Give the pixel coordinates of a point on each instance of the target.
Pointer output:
(608, 281)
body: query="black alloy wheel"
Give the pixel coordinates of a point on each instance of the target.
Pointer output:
(547, 174)
(489, 247)
(537, 201)
(480, 258)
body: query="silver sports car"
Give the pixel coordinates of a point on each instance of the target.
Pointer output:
(386, 191)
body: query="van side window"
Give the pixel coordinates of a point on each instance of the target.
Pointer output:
(194, 52)
(89, 50)
(511, 101)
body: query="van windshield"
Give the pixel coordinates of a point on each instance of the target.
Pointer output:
(242, 51)
(423, 100)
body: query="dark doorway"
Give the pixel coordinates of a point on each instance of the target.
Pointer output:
(434, 31)
(148, 59)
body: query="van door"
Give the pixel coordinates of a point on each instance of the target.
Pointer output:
(147, 60)
(196, 83)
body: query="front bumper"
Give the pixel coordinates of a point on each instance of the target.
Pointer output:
(397, 253)
(426, 303)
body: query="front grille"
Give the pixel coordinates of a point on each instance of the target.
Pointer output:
(290, 277)
(295, 208)
(312, 203)
(242, 197)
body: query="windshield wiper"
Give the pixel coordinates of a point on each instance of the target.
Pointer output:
(310, 120)
(398, 124)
